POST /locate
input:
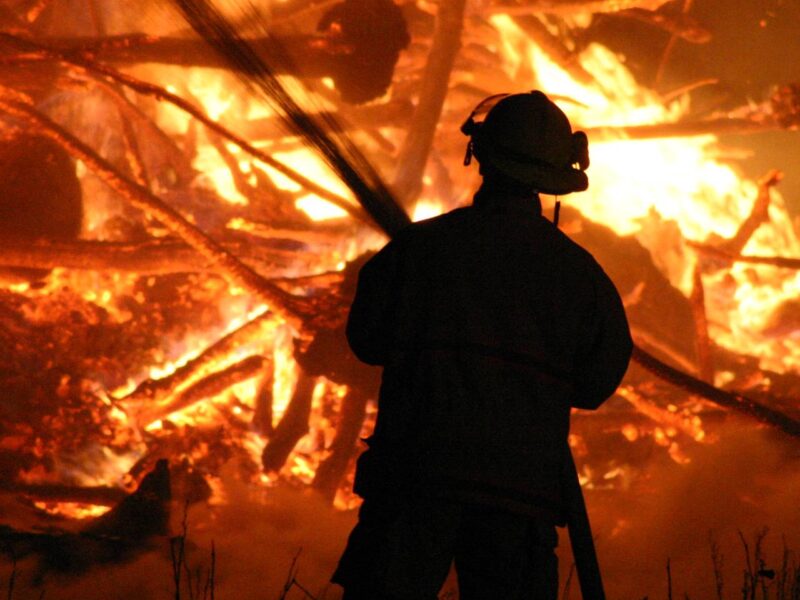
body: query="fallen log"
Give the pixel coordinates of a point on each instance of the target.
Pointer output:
(155, 390)
(732, 400)
(210, 386)
(156, 257)
(283, 304)
(292, 426)
(333, 468)
(127, 529)
(55, 492)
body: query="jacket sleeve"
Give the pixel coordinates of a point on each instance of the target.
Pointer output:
(604, 354)
(370, 324)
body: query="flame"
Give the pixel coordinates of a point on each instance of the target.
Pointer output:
(677, 181)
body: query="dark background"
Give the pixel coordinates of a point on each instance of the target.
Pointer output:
(755, 46)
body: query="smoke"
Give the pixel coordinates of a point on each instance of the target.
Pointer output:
(747, 481)
(256, 535)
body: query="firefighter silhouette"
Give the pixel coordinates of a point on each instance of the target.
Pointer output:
(490, 325)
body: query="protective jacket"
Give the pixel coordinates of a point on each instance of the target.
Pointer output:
(490, 324)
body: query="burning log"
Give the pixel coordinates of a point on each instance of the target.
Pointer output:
(207, 387)
(281, 302)
(292, 426)
(119, 534)
(719, 254)
(156, 257)
(331, 471)
(732, 400)
(155, 390)
(263, 414)
(53, 492)
(697, 301)
(570, 7)
(689, 426)
(689, 128)
(435, 83)
(358, 45)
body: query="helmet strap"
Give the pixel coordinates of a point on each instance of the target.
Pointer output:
(556, 211)
(468, 155)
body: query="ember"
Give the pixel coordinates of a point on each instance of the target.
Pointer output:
(176, 265)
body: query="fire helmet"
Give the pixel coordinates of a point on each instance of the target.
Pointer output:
(529, 139)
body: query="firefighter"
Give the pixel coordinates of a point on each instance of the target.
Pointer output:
(490, 325)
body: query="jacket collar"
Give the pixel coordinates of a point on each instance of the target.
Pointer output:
(498, 200)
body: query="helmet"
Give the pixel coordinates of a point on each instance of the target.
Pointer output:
(529, 139)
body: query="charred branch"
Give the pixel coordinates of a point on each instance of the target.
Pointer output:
(331, 471)
(293, 425)
(758, 215)
(155, 390)
(263, 414)
(697, 301)
(732, 400)
(53, 492)
(210, 386)
(160, 93)
(237, 272)
(719, 254)
(157, 257)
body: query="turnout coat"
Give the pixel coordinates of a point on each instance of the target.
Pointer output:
(490, 324)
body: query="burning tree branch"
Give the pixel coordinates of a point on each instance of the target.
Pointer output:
(154, 257)
(737, 402)
(157, 389)
(158, 92)
(292, 427)
(211, 385)
(330, 472)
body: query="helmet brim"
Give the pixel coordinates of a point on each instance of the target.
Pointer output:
(546, 178)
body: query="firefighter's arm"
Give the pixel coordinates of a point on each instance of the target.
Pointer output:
(606, 351)
(370, 323)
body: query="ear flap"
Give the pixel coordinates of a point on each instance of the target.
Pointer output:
(469, 127)
(580, 150)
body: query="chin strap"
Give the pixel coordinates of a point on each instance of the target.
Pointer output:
(556, 212)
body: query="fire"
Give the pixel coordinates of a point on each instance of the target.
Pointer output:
(671, 181)
(656, 189)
